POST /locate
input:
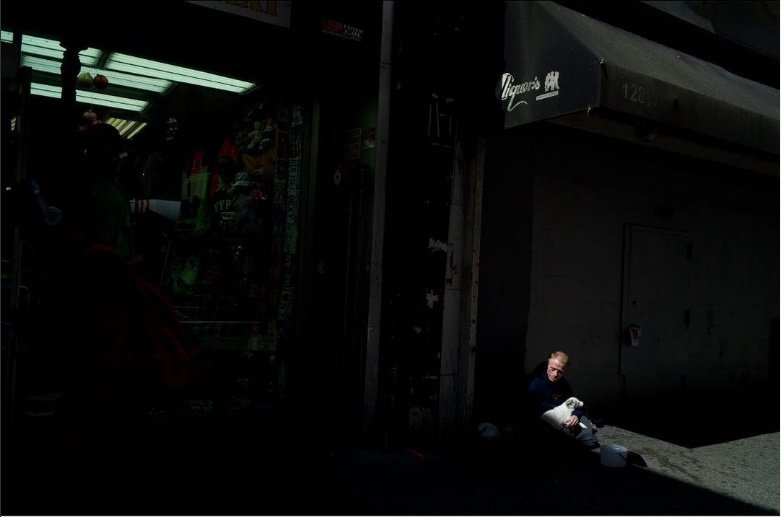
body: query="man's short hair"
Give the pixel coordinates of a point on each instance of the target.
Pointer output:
(561, 356)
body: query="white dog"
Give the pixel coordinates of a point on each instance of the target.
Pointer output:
(558, 416)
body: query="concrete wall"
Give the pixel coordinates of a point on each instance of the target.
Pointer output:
(557, 204)
(586, 189)
(735, 283)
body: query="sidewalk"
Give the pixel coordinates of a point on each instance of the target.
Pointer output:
(726, 479)
(245, 467)
(745, 469)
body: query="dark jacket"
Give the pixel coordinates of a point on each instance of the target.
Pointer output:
(544, 394)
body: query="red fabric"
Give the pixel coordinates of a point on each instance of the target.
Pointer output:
(136, 345)
(166, 349)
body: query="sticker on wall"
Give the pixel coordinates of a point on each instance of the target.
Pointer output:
(431, 298)
(436, 245)
(368, 138)
(351, 144)
(634, 332)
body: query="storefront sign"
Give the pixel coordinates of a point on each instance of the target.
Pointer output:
(274, 12)
(513, 93)
(559, 62)
(342, 30)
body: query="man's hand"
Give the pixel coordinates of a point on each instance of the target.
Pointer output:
(572, 421)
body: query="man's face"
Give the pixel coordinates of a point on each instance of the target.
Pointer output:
(555, 370)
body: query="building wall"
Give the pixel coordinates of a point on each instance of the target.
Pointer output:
(587, 189)
(435, 109)
(556, 209)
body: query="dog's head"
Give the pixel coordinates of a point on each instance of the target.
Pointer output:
(573, 403)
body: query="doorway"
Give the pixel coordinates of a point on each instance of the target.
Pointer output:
(656, 299)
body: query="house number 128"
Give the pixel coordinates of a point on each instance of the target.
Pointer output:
(635, 93)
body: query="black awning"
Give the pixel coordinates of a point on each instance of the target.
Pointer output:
(559, 61)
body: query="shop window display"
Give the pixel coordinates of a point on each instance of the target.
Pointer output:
(228, 262)
(213, 185)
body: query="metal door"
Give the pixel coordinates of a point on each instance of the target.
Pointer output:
(656, 283)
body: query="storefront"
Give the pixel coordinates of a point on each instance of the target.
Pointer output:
(634, 187)
(247, 179)
(508, 227)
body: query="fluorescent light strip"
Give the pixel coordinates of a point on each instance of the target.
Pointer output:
(136, 81)
(151, 68)
(41, 64)
(111, 100)
(6, 37)
(123, 125)
(134, 132)
(46, 90)
(118, 123)
(126, 128)
(101, 99)
(145, 71)
(52, 48)
(118, 78)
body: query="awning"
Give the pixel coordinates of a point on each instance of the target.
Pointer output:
(559, 62)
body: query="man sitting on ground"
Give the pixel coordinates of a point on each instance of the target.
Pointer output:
(548, 389)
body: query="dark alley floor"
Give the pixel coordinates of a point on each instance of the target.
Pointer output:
(249, 465)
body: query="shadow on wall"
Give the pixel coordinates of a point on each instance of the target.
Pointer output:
(736, 414)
